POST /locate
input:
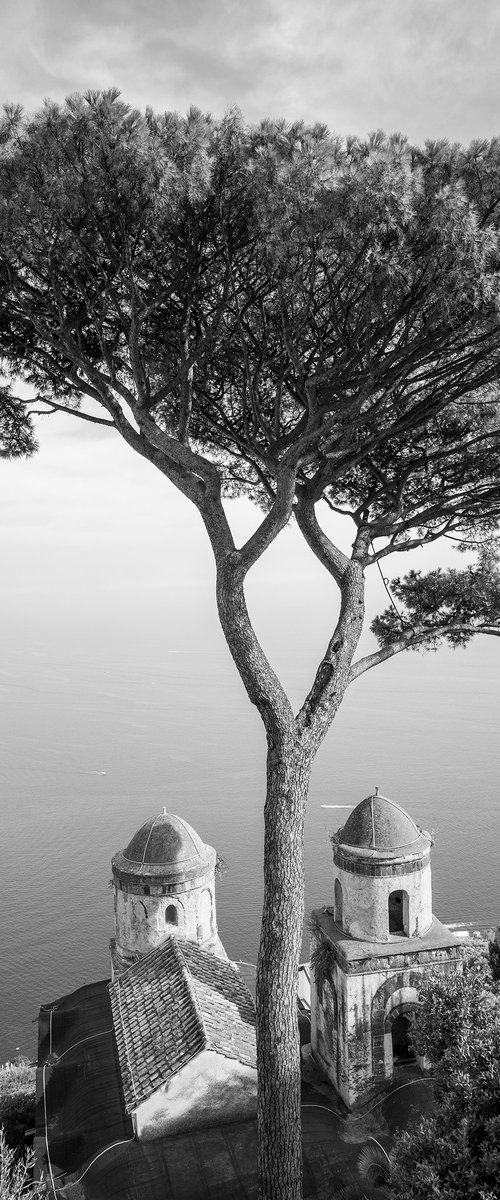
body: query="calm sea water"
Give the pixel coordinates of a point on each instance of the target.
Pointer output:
(98, 733)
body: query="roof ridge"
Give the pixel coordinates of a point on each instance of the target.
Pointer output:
(168, 839)
(148, 839)
(229, 1025)
(189, 830)
(380, 824)
(399, 807)
(387, 800)
(136, 834)
(154, 984)
(189, 983)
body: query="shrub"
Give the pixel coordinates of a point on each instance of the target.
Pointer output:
(17, 1102)
(456, 1153)
(16, 1174)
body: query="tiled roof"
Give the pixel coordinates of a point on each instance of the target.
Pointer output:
(92, 1149)
(173, 1003)
(224, 1003)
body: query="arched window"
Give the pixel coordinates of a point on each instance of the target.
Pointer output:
(338, 903)
(398, 912)
(171, 915)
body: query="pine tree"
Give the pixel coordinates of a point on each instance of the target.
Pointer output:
(311, 322)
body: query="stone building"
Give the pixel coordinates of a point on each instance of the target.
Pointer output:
(160, 1053)
(371, 948)
(184, 1030)
(183, 1019)
(164, 885)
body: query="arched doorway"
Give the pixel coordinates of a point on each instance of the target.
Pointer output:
(397, 1029)
(402, 1051)
(395, 996)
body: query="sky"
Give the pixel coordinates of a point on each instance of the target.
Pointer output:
(86, 527)
(426, 67)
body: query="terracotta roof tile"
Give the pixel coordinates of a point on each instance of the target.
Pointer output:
(224, 1002)
(173, 1003)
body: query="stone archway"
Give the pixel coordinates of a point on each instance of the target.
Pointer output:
(401, 989)
(398, 1025)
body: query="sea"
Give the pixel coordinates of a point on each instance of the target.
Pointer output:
(100, 731)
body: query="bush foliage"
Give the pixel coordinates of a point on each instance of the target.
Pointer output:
(16, 1174)
(17, 1102)
(456, 1153)
(17, 1115)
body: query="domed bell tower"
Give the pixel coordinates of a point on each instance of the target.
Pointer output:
(371, 947)
(164, 884)
(382, 873)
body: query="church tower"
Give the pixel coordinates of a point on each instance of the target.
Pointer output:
(382, 873)
(164, 884)
(371, 948)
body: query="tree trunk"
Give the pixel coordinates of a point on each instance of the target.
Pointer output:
(278, 1050)
(292, 745)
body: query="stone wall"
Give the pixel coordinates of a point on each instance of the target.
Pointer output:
(352, 1006)
(145, 916)
(210, 1090)
(366, 888)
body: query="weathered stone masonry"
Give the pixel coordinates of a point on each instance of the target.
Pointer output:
(372, 947)
(164, 885)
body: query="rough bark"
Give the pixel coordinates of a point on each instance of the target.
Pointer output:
(278, 1050)
(292, 745)
(288, 771)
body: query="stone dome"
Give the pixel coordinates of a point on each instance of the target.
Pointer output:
(166, 846)
(379, 825)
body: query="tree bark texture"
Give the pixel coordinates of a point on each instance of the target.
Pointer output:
(278, 1049)
(292, 745)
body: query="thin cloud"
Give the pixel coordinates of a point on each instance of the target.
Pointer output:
(427, 67)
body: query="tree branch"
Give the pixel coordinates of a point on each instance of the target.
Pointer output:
(332, 676)
(276, 519)
(329, 555)
(263, 687)
(73, 412)
(415, 638)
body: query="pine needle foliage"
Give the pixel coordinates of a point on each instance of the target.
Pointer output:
(307, 320)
